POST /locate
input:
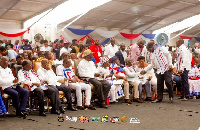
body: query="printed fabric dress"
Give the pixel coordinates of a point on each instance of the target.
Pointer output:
(2, 106)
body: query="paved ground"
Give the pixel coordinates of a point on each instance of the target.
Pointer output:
(180, 115)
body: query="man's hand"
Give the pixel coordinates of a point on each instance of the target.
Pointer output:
(149, 79)
(36, 84)
(177, 74)
(65, 79)
(42, 83)
(194, 77)
(180, 72)
(96, 74)
(15, 80)
(143, 72)
(125, 79)
(141, 77)
(73, 80)
(170, 67)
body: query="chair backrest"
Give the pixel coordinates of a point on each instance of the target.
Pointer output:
(37, 64)
(76, 62)
(16, 69)
(11, 64)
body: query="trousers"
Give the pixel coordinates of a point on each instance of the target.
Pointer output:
(102, 88)
(17, 94)
(79, 87)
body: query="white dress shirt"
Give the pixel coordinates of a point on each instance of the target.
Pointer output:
(111, 50)
(86, 68)
(124, 53)
(103, 72)
(46, 48)
(184, 58)
(146, 54)
(68, 50)
(23, 79)
(160, 59)
(131, 74)
(49, 76)
(59, 70)
(6, 77)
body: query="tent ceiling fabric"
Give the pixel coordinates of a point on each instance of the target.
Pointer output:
(135, 15)
(24, 9)
(138, 15)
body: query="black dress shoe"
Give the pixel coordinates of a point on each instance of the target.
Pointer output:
(156, 101)
(42, 114)
(61, 110)
(54, 112)
(22, 114)
(103, 105)
(148, 99)
(72, 109)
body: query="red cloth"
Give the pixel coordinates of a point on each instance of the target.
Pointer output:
(193, 62)
(95, 49)
(130, 36)
(86, 36)
(14, 34)
(185, 37)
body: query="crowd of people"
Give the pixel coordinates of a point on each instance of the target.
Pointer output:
(106, 72)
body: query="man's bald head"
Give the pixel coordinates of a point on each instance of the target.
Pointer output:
(45, 64)
(140, 42)
(4, 61)
(112, 41)
(44, 61)
(122, 46)
(150, 46)
(179, 42)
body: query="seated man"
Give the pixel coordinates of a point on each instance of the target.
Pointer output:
(47, 74)
(132, 78)
(147, 79)
(19, 59)
(10, 53)
(28, 76)
(193, 81)
(7, 80)
(77, 84)
(87, 71)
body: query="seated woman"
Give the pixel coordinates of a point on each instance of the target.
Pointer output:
(81, 50)
(120, 79)
(2, 106)
(193, 81)
(147, 79)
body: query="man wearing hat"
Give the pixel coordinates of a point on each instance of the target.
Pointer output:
(66, 48)
(88, 72)
(26, 46)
